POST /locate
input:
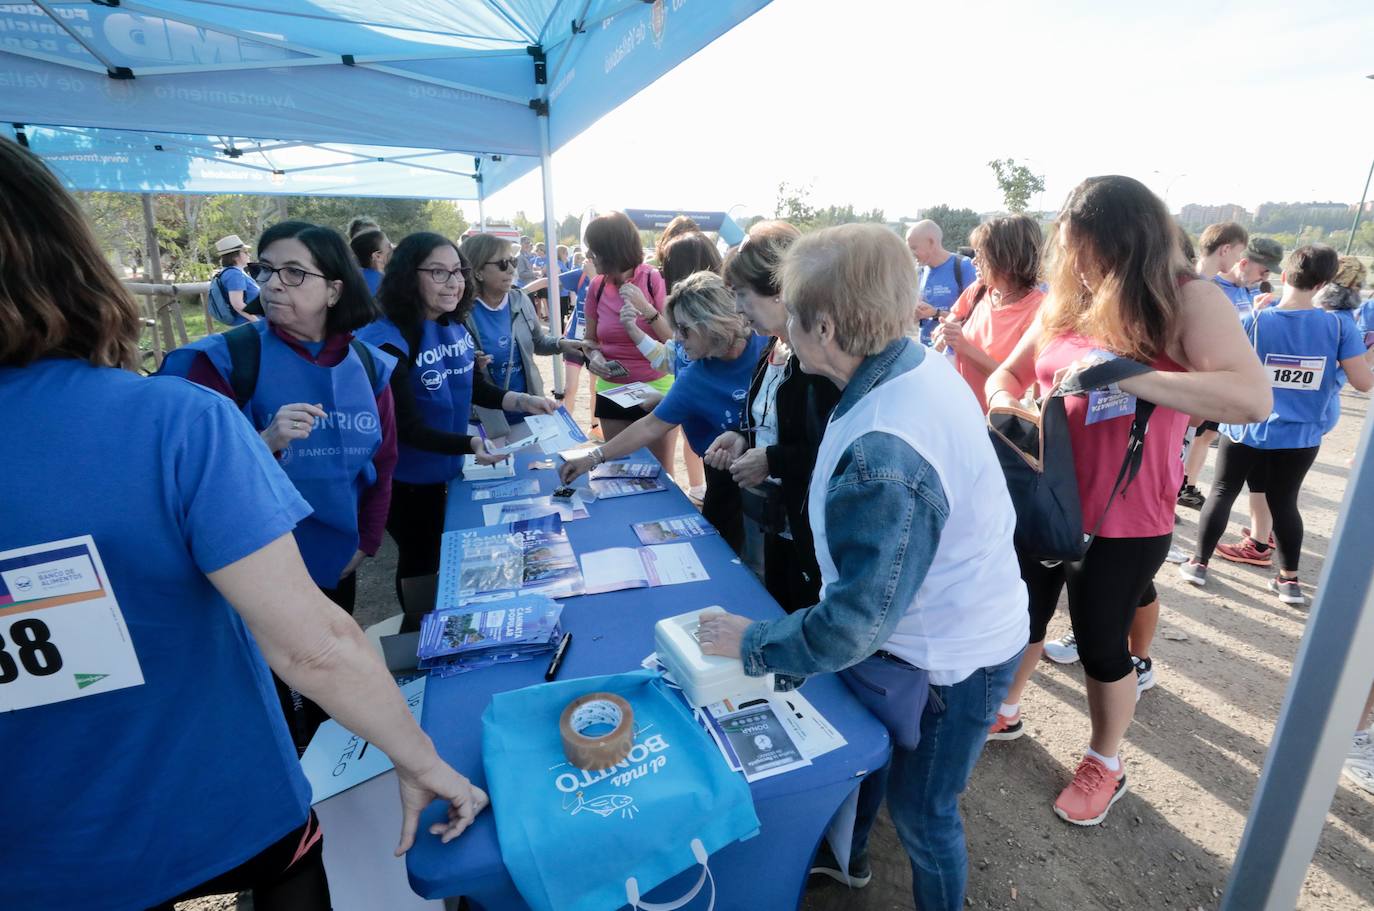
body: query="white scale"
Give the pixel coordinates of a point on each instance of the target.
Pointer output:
(704, 678)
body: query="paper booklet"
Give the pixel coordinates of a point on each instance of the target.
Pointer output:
(610, 488)
(674, 528)
(475, 472)
(627, 470)
(504, 489)
(458, 640)
(619, 568)
(533, 507)
(529, 556)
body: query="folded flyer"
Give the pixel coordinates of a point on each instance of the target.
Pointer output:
(630, 394)
(472, 471)
(759, 744)
(533, 507)
(674, 528)
(501, 490)
(610, 488)
(555, 431)
(627, 470)
(618, 568)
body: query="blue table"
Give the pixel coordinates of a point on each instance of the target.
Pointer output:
(613, 632)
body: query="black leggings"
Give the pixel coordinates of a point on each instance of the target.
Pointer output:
(287, 876)
(1105, 588)
(1283, 471)
(416, 523)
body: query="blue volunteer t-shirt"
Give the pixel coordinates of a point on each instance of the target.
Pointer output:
(576, 284)
(942, 287)
(494, 337)
(708, 395)
(1240, 296)
(123, 798)
(1301, 351)
(235, 279)
(1364, 319)
(373, 279)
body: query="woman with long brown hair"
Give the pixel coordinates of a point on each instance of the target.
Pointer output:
(166, 525)
(1120, 287)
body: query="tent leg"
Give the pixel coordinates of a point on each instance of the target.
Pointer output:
(1330, 681)
(481, 209)
(551, 250)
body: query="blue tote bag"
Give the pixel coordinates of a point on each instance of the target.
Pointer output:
(576, 840)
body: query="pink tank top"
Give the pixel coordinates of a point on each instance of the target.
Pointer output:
(615, 341)
(1146, 508)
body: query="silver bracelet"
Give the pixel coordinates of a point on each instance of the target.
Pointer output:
(597, 456)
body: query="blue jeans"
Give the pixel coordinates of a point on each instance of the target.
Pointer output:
(922, 786)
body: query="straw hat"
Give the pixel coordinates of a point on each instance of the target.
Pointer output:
(229, 244)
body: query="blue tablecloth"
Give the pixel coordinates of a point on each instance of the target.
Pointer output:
(613, 632)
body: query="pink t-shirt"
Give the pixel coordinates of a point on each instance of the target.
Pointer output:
(615, 341)
(993, 330)
(1146, 508)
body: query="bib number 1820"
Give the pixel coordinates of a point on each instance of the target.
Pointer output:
(30, 642)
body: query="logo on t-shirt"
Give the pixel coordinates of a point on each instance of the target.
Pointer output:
(432, 379)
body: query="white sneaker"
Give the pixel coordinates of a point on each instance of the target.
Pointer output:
(1144, 675)
(1360, 772)
(1176, 555)
(1193, 572)
(1361, 747)
(1062, 651)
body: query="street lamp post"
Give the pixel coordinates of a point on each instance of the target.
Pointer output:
(1173, 179)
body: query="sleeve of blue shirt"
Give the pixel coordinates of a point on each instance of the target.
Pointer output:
(234, 498)
(1351, 341)
(677, 404)
(881, 562)
(234, 280)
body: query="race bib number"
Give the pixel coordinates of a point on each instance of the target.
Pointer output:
(1287, 371)
(62, 634)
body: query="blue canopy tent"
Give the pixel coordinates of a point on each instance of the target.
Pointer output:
(719, 222)
(190, 96)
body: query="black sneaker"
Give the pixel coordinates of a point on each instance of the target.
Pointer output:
(825, 864)
(1191, 497)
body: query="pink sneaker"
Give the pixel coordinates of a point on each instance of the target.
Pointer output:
(1247, 551)
(1004, 728)
(1092, 792)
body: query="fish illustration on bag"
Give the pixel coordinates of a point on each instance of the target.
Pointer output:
(604, 805)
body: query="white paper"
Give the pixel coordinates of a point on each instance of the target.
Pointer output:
(672, 564)
(811, 732)
(61, 627)
(475, 472)
(556, 431)
(613, 569)
(513, 445)
(630, 394)
(337, 759)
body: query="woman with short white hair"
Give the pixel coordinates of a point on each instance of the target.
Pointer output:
(921, 595)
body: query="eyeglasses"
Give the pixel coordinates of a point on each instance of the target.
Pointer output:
(441, 276)
(505, 265)
(291, 276)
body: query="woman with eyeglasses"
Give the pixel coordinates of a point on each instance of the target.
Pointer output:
(623, 277)
(506, 329)
(167, 526)
(319, 400)
(770, 457)
(425, 296)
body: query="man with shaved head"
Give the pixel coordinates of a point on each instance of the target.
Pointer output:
(943, 275)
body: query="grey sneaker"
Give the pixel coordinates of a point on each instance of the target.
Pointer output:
(1288, 590)
(1193, 571)
(1062, 651)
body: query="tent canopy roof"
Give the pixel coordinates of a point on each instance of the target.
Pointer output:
(468, 76)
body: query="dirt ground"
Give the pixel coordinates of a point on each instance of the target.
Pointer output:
(1194, 752)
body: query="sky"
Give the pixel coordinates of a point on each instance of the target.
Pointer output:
(900, 104)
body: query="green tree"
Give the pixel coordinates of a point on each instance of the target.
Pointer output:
(1017, 182)
(570, 230)
(955, 224)
(794, 205)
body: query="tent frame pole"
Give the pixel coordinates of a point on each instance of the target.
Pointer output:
(551, 248)
(1328, 688)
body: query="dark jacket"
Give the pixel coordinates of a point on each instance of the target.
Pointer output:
(804, 402)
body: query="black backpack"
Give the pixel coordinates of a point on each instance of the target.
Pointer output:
(1037, 459)
(245, 359)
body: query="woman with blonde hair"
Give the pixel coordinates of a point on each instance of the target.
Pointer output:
(1120, 287)
(706, 397)
(169, 525)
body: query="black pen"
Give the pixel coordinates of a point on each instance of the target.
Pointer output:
(558, 654)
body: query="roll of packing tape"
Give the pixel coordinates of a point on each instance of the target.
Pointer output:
(592, 710)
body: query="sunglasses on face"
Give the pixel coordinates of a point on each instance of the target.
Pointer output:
(505, 265)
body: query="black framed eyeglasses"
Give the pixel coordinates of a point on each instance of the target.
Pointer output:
(291, 276)
(505, 265)
(441, 276)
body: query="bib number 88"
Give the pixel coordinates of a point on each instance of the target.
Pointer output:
(32, 641)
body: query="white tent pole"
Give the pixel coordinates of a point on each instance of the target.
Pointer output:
(1330, 681)
(551, 247)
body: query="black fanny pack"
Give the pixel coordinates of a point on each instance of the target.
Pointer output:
(765, 507)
